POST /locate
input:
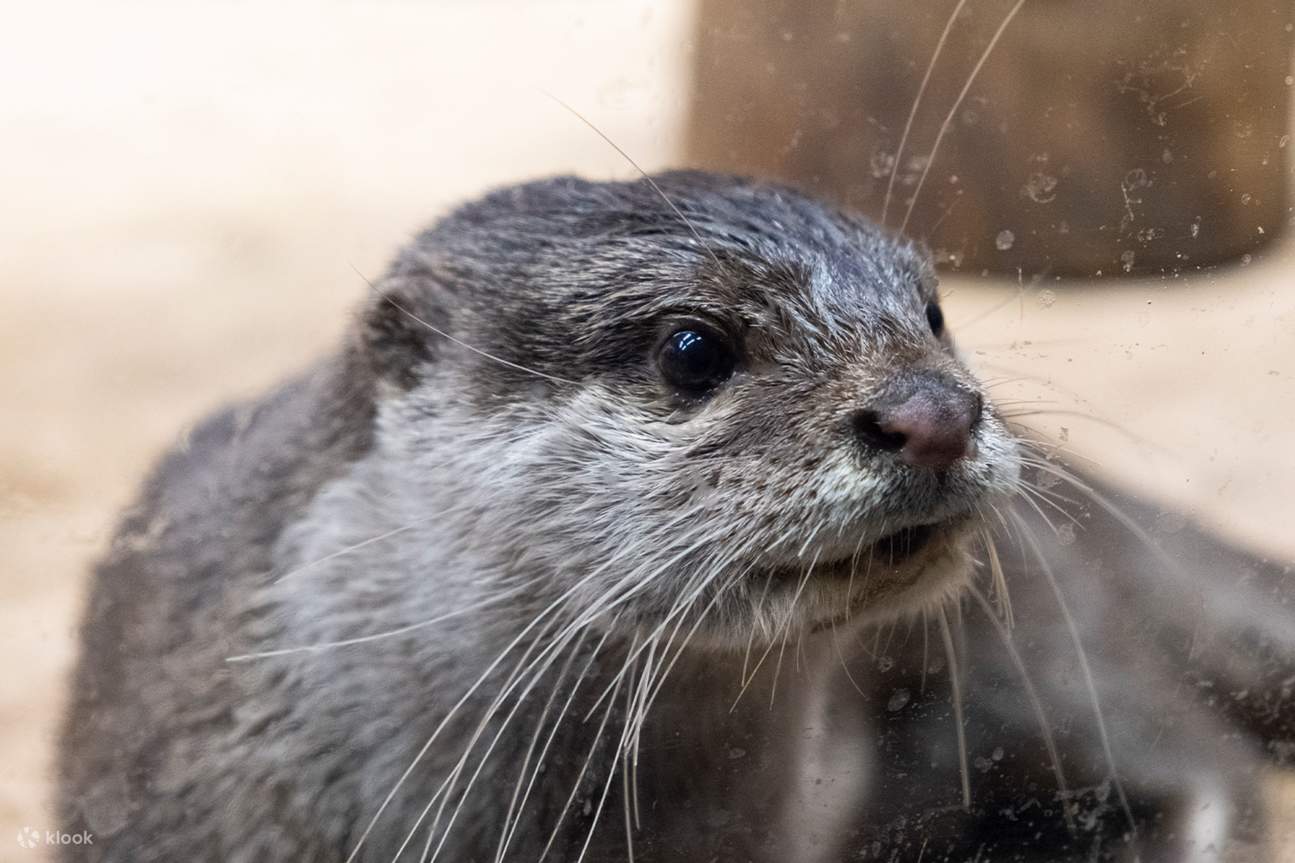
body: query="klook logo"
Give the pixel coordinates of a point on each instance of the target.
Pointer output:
(30, 837)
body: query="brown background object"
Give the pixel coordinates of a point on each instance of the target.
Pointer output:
(1108, 136)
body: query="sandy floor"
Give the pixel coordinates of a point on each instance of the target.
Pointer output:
(188, 198)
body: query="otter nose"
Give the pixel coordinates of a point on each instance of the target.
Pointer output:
(929, 428)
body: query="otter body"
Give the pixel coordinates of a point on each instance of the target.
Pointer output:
(579, 547)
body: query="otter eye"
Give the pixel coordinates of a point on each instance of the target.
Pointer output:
(696, 360)
(935, 318)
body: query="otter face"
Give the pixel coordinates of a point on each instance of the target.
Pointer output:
(753, 419)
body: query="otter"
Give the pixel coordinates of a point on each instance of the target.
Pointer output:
(605, 535)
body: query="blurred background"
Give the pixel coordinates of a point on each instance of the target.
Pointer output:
(190, 190)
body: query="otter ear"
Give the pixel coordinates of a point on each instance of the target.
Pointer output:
(394, 334)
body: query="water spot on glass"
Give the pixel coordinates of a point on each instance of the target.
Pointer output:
(1004, 240)
(1127, 258)
(898, 700)
(1066, 534)
(1047, 298)
(1040, 188)
(881, 164)
(885, 663)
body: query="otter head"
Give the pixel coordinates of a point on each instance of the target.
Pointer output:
(702, 399)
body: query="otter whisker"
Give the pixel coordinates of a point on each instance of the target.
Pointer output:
(480, 681)
(356, 547)
(645, 175)
(926, 655)
(1034, 496)
(547, 657)
(379, 636)
(750, 637)
(957, 103)
(1017, 296)
(678, 613)
(386, 298)
(506, 839)
(955, 685)
(746, 681)
(611, 775)
(1082, 656)
(999, 579)
(631, 814)
(701, 617)
(640, 584)
(1038, 509)
(785, 629)
(536, 676)
(638, 718)
(1245, 615)
(654, 685)
(1093, 418)
(534, 741)
(1040, 488)
(836, 643)
(1005, 636)
(560, 639)
(575, 786)
(448, 785)
(917, 102)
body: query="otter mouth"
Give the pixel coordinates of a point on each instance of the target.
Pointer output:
(890, 552)
(904, 543)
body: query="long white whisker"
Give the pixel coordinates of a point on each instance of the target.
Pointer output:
(1044, 729)
(1082, 655)
(955, 684)
(539, 762)
(378, 636)
(443, 334)
(575, 787)
(427, 745)
(535, 739)
(944, 127)
(357, 546)
(644, 174)
(917, 102)
(449, 784)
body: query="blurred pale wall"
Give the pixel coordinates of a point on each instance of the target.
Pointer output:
(190, 189)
